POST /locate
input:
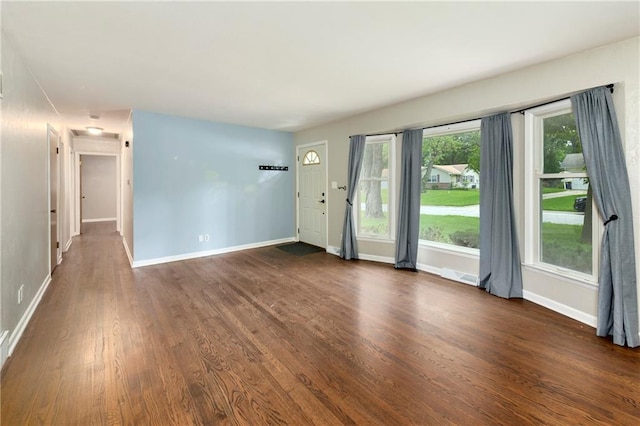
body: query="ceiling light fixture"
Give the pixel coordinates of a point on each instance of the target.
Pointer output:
(94, 130)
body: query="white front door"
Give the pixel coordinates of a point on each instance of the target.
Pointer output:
(312, 194)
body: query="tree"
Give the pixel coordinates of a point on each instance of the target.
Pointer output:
(375, 158)
(458, 148)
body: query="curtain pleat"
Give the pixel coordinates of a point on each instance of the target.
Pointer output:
(409, 209)
(500, 269)
(349, 246)
(603, 155)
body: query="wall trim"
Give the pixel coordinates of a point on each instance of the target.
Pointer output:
(560, 308)
(68, 245)
(187, 256)
(4, 347)
(126, 249)
(333, 250)
(22, 324)
(375, 258)
(100, 219)
(429, 269)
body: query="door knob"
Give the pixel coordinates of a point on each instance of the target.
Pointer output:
(53, 211)
(321, 201)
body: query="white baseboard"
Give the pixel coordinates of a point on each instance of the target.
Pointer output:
(100, 219)
(126, 249)
(333, 250)
(374, 258)
(430, 269)
(363, 256)
(187, 256)
(22, 324)
(560, 308)
(4, 347)
(68, 245)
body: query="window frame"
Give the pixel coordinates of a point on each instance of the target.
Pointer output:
(450, 129)
(391, 200)
(534, 173)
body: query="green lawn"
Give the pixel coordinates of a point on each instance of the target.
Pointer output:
(562, 245)
(562, 204)
(442, 197)
(552, 190)
(454, 197)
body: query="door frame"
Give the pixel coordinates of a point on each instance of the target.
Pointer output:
(305, 147)
(51, 130)
(78, 184)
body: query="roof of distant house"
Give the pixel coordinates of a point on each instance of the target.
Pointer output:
(452, 169)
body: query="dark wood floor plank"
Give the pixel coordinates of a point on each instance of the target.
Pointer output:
(266, 337)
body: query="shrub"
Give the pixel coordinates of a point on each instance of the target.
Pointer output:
(466, 238)
(432, 233)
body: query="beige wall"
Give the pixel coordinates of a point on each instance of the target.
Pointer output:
(615, 63)
(24, 227)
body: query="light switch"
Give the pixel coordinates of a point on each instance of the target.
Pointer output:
(334, 185)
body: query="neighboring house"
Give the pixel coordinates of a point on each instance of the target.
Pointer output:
(574, 163)
(452, 176)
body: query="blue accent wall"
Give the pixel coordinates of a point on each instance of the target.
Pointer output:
(193, 177)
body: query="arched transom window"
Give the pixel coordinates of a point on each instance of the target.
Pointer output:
(310, 158)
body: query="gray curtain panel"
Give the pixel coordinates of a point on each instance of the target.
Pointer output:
(349, 247)
(409, 211)
(500, 272)
(603, 155)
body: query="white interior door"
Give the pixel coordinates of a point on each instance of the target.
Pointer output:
(312, 194)
(53, 196)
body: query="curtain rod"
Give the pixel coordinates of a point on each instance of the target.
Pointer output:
(521, 111)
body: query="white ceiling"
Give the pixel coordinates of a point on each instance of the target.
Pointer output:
(287, 66)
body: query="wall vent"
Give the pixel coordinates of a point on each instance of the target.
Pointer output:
(462, 277)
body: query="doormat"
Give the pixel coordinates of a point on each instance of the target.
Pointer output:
(300, 249)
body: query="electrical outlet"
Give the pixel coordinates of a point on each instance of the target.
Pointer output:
(20, 294)
(206, 237)
(200, 238)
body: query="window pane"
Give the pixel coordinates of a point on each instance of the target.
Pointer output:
(566, 233)
(373, 195)
(449, 203)
(562, 147)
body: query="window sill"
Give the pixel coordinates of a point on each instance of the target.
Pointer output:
(450, 249)
(376, 240)
(563, 275)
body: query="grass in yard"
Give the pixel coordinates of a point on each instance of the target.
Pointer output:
(443, 197)
(552, 190)
(561, 204)
(562, 245)
(374, 226)
(454, 197)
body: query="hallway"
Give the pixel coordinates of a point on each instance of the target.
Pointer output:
(265, 337)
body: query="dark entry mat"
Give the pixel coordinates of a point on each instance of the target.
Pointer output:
(300, 249)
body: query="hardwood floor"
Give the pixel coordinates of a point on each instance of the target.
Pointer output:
(266, 337)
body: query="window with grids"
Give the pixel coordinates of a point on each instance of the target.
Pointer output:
(561, 222)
